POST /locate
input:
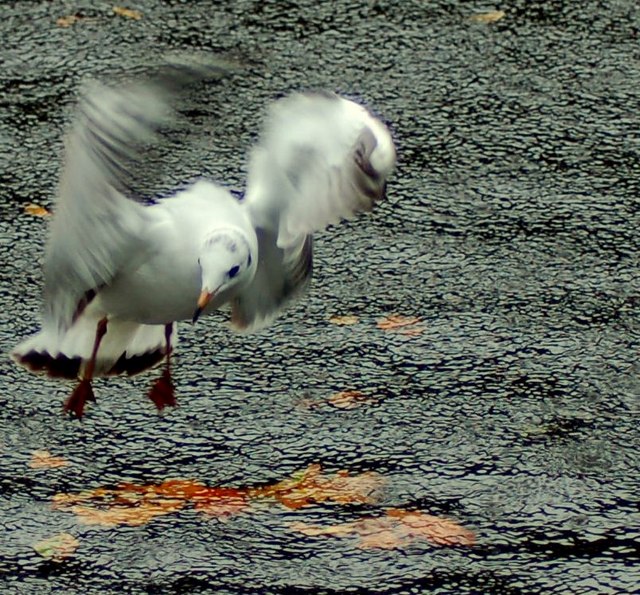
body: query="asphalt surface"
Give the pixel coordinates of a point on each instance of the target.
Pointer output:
(510, 229)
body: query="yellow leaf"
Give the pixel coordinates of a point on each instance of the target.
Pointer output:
(406, 325)
(127, 13)
(68, 20)
(488, 17)
(132, 514)
(396, 529)
(57, 548)
(344, 320)
(312, 487)
(438, 530)
(372, 532)
(380, 533)
(348, 399)
(36, 210)
(316, 530)
(134, 505)
(43, 459)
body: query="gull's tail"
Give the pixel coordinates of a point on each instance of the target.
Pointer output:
(126, 348)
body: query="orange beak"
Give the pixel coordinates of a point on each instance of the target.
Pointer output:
(203, 300)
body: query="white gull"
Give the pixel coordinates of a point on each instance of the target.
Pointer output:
(119, 273)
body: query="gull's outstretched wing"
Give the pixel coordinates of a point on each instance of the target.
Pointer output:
(320, 159)
(97, 227)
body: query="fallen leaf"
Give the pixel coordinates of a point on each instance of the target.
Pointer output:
(222, 502)
(311, 487)
(343, 530)
(68, 20)
(344, 320)
(57, 548)
(380, 533)
(372, 532)
(127, 13)
(438, 530)
(349, 399)
(406, 325)
(43, 459)
(396, 529)
(127, 504)
(134, 505)
(133, 516)
(488, 17)
(36, 210)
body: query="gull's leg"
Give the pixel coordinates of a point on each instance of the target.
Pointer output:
(162, 393)
(84, 392)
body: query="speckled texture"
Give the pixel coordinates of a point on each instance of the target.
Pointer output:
(511, 228)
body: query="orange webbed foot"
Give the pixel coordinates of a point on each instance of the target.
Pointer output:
(79, 397)
(162, 392)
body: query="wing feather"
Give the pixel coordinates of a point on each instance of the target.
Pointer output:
(97, 227)
(320, 159)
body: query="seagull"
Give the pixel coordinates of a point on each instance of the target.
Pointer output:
(120, 273)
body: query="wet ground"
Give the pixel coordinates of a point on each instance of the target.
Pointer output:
(510, 229)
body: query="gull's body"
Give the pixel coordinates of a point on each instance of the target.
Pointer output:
(119, 274)
(176, 229)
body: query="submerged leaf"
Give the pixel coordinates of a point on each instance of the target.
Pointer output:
(67, 21)
(311, 487)
(222, 502)
(43, 459)
(36, 210)
(396, 529)
(134, 505)
(344, 320)
(128, 504)
(128, 13)
(57, 548)
(438, 530)
(349, 399)
(406, 325)
(342, 530)
(488, 17)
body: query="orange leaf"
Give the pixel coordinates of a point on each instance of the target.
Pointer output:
(36, 210)
(396, 529)
(132, 514)
(343, 530)
(128, 504)
(372, 532)
(311, 487)
(379, 533)
(222, 502)
(488, 17)
(68, 20)
(344, 320)
(407, 325)
(128, 13)
(43, 459)
(438, 530)
(133, 504)
(349, 399)
(57, 548)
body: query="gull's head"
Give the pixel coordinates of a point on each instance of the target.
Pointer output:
(225, 261)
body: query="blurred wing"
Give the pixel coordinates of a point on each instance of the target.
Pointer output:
(280, 276)
(97, 229)
(320, 159)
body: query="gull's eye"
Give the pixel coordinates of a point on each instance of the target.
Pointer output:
(233, 271)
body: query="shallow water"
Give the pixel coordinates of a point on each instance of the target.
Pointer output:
(510, 229)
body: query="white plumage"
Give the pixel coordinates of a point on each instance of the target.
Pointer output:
(140, 268)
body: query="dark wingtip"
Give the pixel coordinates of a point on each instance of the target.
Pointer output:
(135, 364)
(59, 366)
